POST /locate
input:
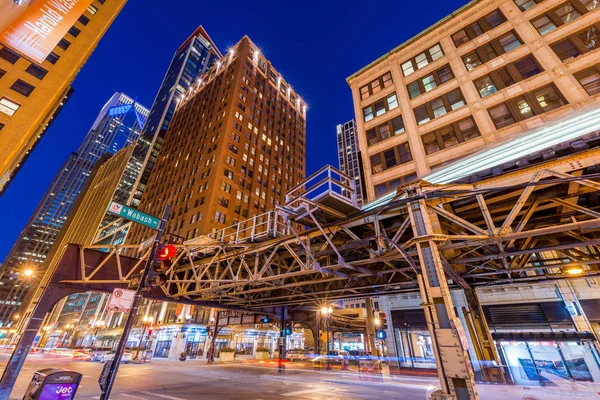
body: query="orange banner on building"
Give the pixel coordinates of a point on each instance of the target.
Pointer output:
(38, 29)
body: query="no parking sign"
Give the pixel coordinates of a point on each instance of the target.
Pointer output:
(121, 300)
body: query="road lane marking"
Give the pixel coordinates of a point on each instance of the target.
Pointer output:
(299, 392)
(164, 396)
(132, 396)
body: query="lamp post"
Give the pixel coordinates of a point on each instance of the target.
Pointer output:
(68, 327)
(97, 325)
(326, 312)
(148, 320)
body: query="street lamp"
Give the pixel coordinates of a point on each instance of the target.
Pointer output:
(148, 320)
(326, 311)
(28, 272)
(97, 325)
(574, 270)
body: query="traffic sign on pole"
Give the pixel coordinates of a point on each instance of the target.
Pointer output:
(133, 215)
(121, 300)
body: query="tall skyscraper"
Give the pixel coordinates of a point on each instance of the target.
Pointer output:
(118, 125)
(235, 146)
(490, 72)
(36, 70)
(349, 157)
(191, 60)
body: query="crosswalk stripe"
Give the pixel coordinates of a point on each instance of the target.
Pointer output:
(164, 396)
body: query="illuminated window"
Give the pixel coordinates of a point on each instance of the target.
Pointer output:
(421, 60)
(8, 107)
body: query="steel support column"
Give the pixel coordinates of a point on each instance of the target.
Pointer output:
(371, 327)
(488, 357)
(447, 334)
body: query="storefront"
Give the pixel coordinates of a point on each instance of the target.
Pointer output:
(538, 343)
(352, 341)
(164, 340)
(412, 339)
(540, 358)
(195, 339)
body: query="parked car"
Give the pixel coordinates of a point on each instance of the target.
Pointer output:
(125, 359)
(296, 355)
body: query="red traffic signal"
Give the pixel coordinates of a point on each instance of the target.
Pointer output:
(166, 251)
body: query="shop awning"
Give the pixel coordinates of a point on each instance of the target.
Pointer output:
(542, 336)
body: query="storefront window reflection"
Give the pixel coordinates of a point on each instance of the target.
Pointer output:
(415, 348)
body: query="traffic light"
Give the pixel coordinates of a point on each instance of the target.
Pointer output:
(150, 330)
(383, 319)
(165, 252)
(266, 319)
(287, 331)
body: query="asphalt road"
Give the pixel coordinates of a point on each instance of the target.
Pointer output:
(174, 380)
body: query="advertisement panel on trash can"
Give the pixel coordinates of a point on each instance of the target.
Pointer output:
(58, 391)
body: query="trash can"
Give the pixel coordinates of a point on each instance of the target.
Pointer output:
(53, 384)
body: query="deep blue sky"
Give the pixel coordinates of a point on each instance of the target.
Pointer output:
(314, 44)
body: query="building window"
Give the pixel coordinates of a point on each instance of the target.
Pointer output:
(1, 126)
(22, 87)
(478, 27)
(73, 31)
(491, 50)
(64, 44)
(92, 9)
(527, 105)
(390, 158)
(440, 106)
(381, 107)
(590, 79)
(385, 131)
(36, 71)
(562, 14)
(220, 217)
(83, 20)
(525, 5)
(8, 107)
(9, 55)
(2, 72)
(421, 60)
(52, 58)
(376, 86)
(387, 187)
(578, 43)
(504, 77)
(450, 135)
(430, 82)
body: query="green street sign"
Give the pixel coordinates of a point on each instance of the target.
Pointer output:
(133, 215)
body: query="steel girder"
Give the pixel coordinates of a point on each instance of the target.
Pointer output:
(527, 225)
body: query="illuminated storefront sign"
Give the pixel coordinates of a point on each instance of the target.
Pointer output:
(38, 29)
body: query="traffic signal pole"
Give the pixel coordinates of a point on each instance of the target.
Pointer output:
(107, 380)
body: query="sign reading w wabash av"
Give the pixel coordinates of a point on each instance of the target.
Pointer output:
(38, 29)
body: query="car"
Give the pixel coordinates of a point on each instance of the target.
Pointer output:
(125, 359)
(333, 357)
(296, 355)
(98, 352)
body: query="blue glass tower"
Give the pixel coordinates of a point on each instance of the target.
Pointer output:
(118, 125)
(191, 60)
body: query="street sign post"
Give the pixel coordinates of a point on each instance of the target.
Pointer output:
(133, 215)
(108, 376)
(121, 300)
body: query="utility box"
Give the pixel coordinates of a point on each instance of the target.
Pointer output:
(53, 384)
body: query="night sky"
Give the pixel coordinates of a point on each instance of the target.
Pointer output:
(315, 45)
